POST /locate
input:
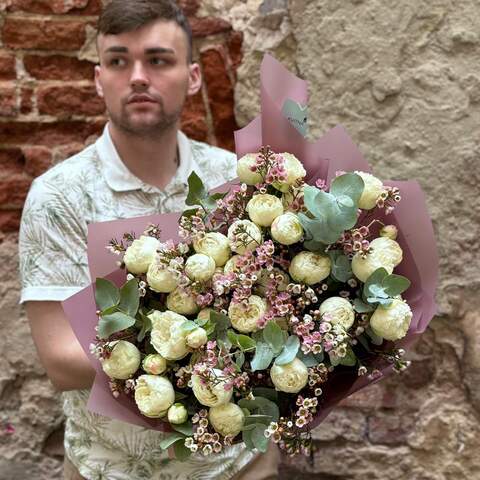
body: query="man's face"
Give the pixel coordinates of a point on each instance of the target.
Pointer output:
(144, 77)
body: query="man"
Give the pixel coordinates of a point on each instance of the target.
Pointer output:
(139, 166)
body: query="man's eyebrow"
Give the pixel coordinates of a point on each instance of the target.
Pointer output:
(153, 50)
(116, 50)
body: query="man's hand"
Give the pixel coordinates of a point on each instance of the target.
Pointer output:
(60, 353)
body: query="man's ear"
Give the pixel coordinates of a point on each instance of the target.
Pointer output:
(194, 79)
(98, 85)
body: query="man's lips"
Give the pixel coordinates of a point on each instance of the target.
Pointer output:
(141, 99)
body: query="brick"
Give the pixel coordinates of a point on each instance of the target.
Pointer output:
(77, 7)
(43, 34)
(26, 102)
(220, 95)
(234, 45)
(13, 190)
(58, 67)
(38, 159)
(8, 102)
(7, 67)
(193, 121)
(189, 7)
(10, 220)
(12, 161)
(50, 134)
(68, 100)
(205, 26)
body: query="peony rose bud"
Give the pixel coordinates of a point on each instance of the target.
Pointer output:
(154, 364)
(264, 208)
(140, 254)
(310, 268)
(244, 235)
(177, 414)
(392, 322)
(196, 338)
(182, 302)
(167, 336)
(287, 229)
(215, 245)
(295, 172)
(372, 190)
(227, 419)
(154, 395)
(244, 171)
(123, 361)
(160, 279)
(389, 231)
(386, 253)
(291, 377)
(200, 267)
(209, 394)
(340, 311)
(245, 318)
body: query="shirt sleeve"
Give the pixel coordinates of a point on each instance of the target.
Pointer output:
(52, 241)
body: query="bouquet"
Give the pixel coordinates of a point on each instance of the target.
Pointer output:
(250, 315)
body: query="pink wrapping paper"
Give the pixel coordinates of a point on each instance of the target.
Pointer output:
(332, 152)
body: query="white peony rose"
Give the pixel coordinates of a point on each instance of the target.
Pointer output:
(287, 229)
(264, 279)
(140, 254)
(291, 377)
(182, 302)
(385, 253)
(154, 395)
(295, 172)
(310, 268)
(244, 172)
(389, 231)
(196, 338)
(339, 310)
(244, 318)
(392, 322)
(249, 239)
(215, 245)
(177, 414)
(154, 364)
(227, 419)
(373, 189)
(123, 361)
(211, 394)
(160, 279)
(264, 208)
(167, 336)
(231, 265)
(200, 267)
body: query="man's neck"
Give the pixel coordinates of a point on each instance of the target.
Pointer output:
(154, 161)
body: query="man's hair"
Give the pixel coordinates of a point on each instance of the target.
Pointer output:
(121, 16)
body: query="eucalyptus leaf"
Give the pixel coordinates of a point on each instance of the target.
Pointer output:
(289, 350)
(362, 307)
(239, 359)
(188, 326)
(261, 406)
(341, 266)
(114, 323)
(273, 335)
(247, 438)
(171, 439)
(259, 439)
(185, 428)
(310, 360)
(262, 358)
(146, 326)
(350, 359)
(348, 184)
(245, 342)
(395, 284)
(182, 453)
(106, 294)
(268, 393)
(129, 298)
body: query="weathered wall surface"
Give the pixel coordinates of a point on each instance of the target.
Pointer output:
(402, 77)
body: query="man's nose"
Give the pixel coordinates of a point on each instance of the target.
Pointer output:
(139, 77)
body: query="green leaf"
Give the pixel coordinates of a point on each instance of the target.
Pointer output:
(180, 396)
(196, 190)
(309, 195)
(239, 359)
(341, 266)
(350, 359)
(185, 428)
(129, 298)
(348, 184)
(245, 342)
(247, 439)
(289, 350)
(171, 439)
(146, 326)
(317, 230)
(188, 326)
(259, 439)
(310, 360)
(261, 406)
(262, 358)
(273, 335)
(376, 278)
(232, 336)
(395, 284)
(334, 360)
(182, 453)
(106, 294)
(113, 323)
(268, 393)
(362, 307)
(189, 212)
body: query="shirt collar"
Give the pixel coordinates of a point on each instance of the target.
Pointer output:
(120, 179)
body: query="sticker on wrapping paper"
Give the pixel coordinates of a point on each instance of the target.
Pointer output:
(296, 115)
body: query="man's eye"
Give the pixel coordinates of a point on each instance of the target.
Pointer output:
(157, 61)
(117, 62)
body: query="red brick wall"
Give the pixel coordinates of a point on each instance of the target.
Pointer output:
(48, 105)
